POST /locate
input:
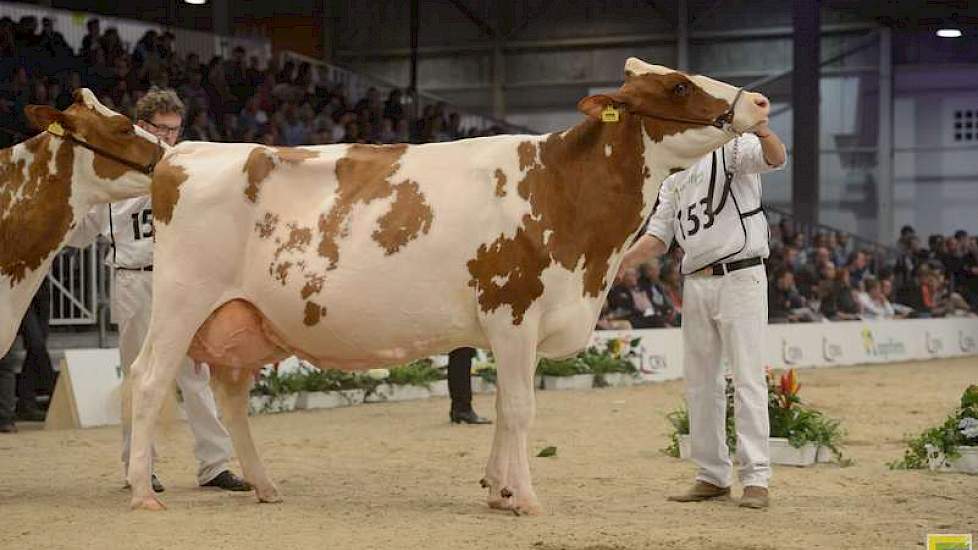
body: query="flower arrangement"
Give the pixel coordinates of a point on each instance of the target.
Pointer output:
(959, 429)
(614, 356)
(789, 418)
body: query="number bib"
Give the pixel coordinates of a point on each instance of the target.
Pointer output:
(709, 224)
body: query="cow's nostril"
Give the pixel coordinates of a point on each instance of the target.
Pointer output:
(761, 101)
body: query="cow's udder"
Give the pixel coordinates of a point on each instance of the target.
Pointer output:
(236, 335)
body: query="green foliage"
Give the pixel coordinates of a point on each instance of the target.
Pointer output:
(547, 452)
(562, 367)
(954, 432)
(488, 374)
(325, 380)
(789, 419)
(415, 373)
(275, 383)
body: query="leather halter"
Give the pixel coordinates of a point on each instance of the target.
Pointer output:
(725, 119)
(56, 129)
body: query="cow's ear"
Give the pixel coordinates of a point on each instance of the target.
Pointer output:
(593, 105)
(43, 116)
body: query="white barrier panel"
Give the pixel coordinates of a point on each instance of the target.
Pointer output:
(89, 390)
(820, 344)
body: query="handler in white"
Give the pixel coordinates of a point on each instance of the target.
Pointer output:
(713, 209)
(129, 227)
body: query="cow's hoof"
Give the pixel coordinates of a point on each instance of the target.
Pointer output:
(150, 503)
(268, 494)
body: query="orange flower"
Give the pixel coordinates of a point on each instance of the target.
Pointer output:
(790, 382)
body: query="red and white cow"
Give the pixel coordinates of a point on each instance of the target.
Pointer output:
(49, 182)
(356, 256)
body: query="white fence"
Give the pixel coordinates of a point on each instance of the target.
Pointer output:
(820, 344)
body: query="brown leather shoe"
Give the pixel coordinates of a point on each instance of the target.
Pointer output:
(701, 491)
(754, 497)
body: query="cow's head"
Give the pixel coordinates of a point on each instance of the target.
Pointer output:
(689, 115)
(117, 156)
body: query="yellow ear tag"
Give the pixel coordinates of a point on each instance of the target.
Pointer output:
(609, 114)
(56, 129)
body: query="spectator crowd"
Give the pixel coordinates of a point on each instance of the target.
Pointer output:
(233, 100)
(826, 278)
(238, 100)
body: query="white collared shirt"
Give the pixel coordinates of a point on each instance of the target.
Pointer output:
(735, 228)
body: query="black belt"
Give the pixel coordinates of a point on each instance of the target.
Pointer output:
(147, 268)
(720, 270)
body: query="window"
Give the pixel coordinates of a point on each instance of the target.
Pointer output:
(966, 125)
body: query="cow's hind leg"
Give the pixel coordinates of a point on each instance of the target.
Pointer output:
(508, 471)
(234, 385)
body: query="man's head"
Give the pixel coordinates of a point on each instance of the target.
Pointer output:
(630, 278)
(906, 231)
(872, 286)
(94, 26)
(857, 260)
(886, 287)
(826, 271)
(961, 235)
(160, 112)
(238, 55)
(651, 270)
(822, 255)
(784, 278)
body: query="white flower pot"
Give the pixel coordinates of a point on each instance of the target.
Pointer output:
(329, 399)
(685, 446)
(967, 463)
(783, 453)
(619, 379)
(575, 382)
(261, 404)
(439, 388)
(481, 386)
(397, 392)
(824, 455)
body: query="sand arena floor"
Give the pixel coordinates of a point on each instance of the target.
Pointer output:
(399, 476)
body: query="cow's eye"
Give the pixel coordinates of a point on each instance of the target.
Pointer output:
(681, 89)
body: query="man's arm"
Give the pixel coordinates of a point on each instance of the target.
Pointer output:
(772, 148)
(90, 227)
(648, 246)
(761, 152)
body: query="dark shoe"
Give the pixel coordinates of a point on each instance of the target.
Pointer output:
(702, 491)
(755, 497)
(229, 482)
(157, 484)
(30, 414)
(8, 428)
(468, 417)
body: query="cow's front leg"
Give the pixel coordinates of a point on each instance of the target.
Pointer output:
(508, 472)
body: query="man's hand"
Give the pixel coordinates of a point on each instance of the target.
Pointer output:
(645, 247)
(774, 151)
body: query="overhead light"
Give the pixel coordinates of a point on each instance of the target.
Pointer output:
(945, 33)
(196, 2)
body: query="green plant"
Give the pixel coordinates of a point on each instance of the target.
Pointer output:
(415, 373)
(487, 373)
(272, 382)
(960, 428)
(788, 418)
(562, 367)
(325, 380)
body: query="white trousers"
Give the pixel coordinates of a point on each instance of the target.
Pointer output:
(726, 317)
(131, 309)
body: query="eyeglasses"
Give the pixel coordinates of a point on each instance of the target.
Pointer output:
(164, 129)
